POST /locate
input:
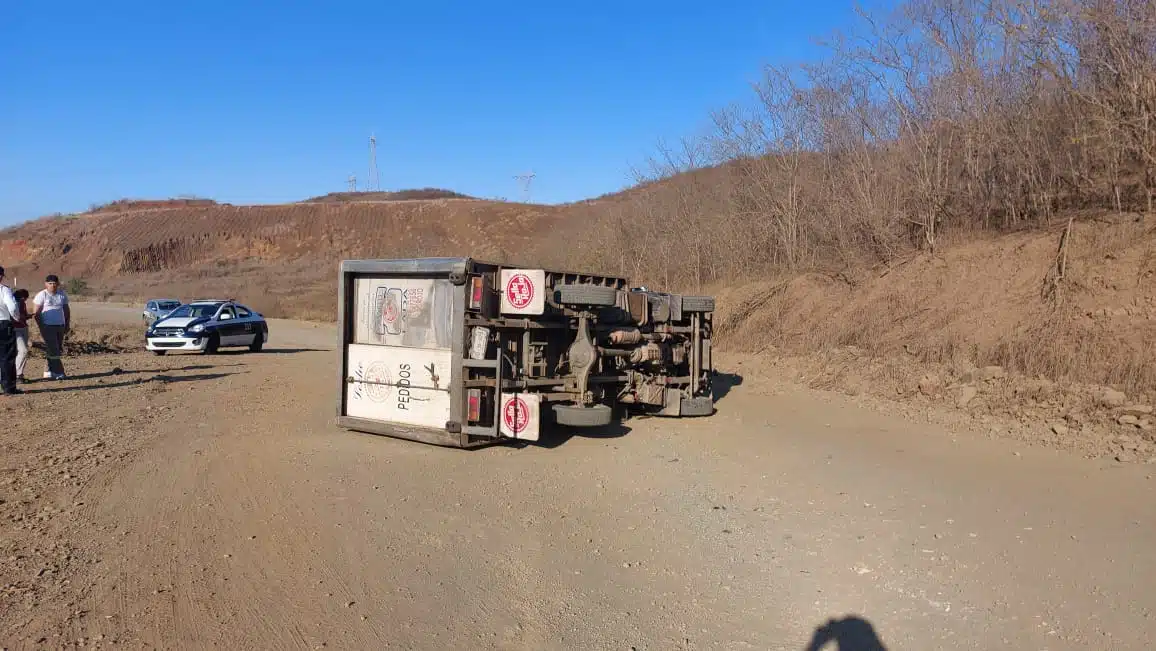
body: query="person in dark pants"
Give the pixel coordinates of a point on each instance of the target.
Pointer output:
(9, 314)
(52, 313)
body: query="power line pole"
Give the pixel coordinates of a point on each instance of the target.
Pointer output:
(353, 183)
(525, 180)
(374, 182)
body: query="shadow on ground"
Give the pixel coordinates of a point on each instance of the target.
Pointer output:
(848, 634)
(722, 383)
(271, 351)
(159, 377)
(553, 436)
(117, 371)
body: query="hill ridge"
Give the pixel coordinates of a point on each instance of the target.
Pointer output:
(204, 246)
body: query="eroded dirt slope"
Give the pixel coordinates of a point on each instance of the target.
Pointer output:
(250, 251)
(972, 328)
(170, 238)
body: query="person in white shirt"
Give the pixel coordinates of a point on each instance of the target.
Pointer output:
(9, 314)
(54, 316)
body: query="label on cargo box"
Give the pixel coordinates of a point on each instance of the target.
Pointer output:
(520, 415)
(523, 291)
(398, 385)
(411, 312)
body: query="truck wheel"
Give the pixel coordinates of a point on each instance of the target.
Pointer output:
(703, 406)
(575, 416)
(698, 304)
(586, 295)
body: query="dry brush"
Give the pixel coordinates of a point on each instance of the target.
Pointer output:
(934, 121)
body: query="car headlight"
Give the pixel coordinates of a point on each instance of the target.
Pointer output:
(197, 328)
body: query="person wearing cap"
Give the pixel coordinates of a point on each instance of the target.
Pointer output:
(53, 316)
(9, 314)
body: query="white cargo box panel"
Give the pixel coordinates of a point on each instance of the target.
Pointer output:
(392, 384)
(520, 415)
(413, 312)
(523, 291)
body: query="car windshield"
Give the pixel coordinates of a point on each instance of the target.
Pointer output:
(168, 305)
(195, 311)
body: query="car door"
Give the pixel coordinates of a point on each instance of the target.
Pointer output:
(229, 330)
(250, 325)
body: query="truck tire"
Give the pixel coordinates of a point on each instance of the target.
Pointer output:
(698, 304)
(586, 295)
(702, 406)
(575, 416)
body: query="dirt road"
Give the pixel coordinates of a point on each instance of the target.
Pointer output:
(227, 511)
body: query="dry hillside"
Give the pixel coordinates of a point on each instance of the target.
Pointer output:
(282, 258)
(984, 327)
(399, 195)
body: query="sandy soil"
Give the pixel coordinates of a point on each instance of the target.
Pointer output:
(197, 501)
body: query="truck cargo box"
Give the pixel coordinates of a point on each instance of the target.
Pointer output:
(459, 352)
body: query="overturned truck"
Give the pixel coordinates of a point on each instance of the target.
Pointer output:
(457, 352)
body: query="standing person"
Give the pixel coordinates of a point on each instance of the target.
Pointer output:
(53, 315)
(9, 313)
(22, 342)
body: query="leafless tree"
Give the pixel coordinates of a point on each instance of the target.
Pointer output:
(933, 118)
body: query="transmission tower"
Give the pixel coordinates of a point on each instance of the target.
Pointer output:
(353, 183)
(525, 180)
(374, 183)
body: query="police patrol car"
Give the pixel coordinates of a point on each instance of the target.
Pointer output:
(206, 325)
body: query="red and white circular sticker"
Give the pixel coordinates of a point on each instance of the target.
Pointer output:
(390, 313)
(520, 291)
(516, 414)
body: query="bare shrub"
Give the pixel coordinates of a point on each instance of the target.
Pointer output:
(935, 121)
(939, 116)
(76, 286)
(1054, 351)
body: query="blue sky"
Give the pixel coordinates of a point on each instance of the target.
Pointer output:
(257, 102)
